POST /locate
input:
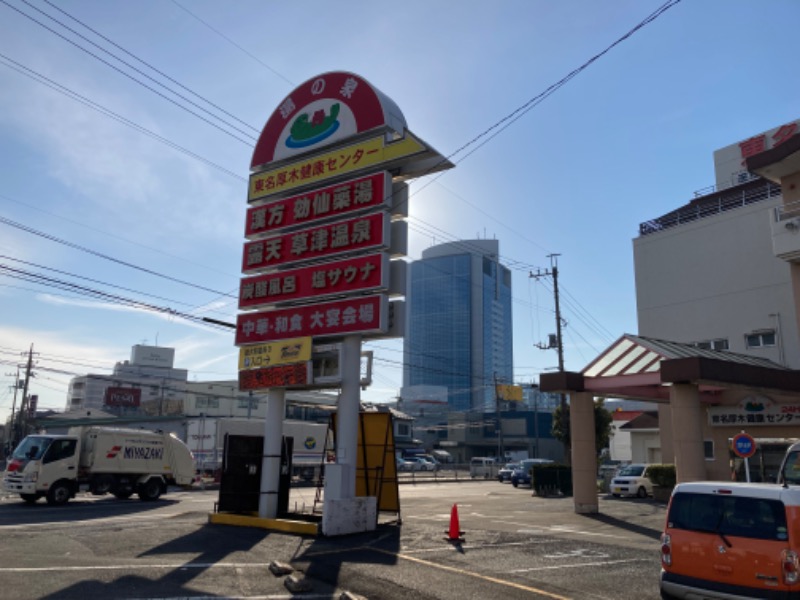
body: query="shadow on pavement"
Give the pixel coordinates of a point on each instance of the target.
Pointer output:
(206, 546)
(626, 525)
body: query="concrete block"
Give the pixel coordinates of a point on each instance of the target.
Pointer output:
(279, 569)
(297, 584)
(351, 515)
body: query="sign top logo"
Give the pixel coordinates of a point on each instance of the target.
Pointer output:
(323, 110)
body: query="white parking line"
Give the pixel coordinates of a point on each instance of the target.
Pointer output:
(589, 564)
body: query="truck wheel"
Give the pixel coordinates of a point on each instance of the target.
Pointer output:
(29, 498)
(150, 490)
(59, 493)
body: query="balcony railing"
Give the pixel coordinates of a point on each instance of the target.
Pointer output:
(700, 209)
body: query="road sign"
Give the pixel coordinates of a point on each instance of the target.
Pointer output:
(743, 445)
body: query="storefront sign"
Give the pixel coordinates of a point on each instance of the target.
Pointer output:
(754, 410)
(373, 191)
(348, 160)
(283, 376)
(283, 352)
(359, 274)
(370, 232)
(363, 315)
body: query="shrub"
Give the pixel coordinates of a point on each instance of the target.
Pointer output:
(663, 475)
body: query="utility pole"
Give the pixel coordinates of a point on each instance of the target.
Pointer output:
(10, 438)
(500, 458)
(22, 417)
(553, 272)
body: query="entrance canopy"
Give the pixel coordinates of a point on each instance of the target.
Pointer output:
(644, 368)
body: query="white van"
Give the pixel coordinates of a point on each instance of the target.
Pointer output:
(484, 467)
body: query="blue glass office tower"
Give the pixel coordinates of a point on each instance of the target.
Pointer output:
(459, 323)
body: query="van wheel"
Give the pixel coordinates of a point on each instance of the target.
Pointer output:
(641, 492)
(150, 490)
(515, 483)
(58, 494)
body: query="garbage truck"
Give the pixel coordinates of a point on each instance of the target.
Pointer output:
(100, 460)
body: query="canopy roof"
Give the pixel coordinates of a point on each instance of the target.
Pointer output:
(644, 368)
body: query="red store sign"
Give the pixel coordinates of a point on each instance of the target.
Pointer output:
(363, 233)
(285, 376)
(361, 274)
(365, 314)
(332, 201)
(124, 397)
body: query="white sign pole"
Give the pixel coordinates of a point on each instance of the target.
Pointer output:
(271, 461)
(747, 469)
(347, 417)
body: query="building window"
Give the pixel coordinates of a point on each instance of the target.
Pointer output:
(708, 449)
(720, 344)
(78, 385)
(252, 402)
(206, 403)
(761, 339)
(403, 429)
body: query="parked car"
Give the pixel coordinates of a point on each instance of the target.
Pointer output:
(418, 463)
(504, 474)
(731, 540)
(481, 466)
(522, 474)
(632, 481)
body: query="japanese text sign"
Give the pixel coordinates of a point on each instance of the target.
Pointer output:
(283, 376)
(332, 201)
(283, 352)
(363, 233)
(364, 314)
(347, 160)
(359, 274)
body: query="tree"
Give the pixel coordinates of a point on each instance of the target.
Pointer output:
(602, 426)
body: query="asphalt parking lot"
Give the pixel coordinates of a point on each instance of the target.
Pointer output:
(514, 545)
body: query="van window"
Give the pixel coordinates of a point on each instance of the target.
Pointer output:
(757, 518)
(791, 468)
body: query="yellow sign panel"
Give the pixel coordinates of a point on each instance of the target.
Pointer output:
(349, 159)
(510, 393)
(283, 352)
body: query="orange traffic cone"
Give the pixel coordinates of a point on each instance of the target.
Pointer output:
(455, 533)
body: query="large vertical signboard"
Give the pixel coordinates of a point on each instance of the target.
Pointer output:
(323, 221)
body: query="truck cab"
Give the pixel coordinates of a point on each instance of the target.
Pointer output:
(44, 465)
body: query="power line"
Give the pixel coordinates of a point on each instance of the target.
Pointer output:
(53, 238)
(132, 78)
(164, 75)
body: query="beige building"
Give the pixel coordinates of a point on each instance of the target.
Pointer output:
(718, 295)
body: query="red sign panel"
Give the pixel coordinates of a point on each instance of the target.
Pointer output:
(332, 201)
(361, 274)
(298, 374)
(365, 314)
(363, 233)
(123, 397)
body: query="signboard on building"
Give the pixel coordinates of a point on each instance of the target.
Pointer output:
(122, 397)
(509, 393)
(729, 162)
(754, 411)
(152, 356)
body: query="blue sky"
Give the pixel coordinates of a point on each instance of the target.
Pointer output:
(628, 139)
